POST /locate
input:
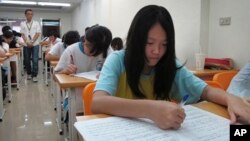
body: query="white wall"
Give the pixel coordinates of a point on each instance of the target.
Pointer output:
(234, 40)
(204, 30)
(118, 14)
(65, 18)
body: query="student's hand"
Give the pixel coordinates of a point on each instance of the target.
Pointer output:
(97, 76)
(238, 110)
(71, 69)
(167, 115)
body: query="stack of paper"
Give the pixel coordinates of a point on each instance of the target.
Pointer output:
(92, 75)
(199, 125)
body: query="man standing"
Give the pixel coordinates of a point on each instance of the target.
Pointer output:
(30, 31)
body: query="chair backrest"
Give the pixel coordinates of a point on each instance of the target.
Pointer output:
(87, 96)
(214, 84)
(224, 78)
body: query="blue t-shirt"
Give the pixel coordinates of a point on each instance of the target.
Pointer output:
(113, 81)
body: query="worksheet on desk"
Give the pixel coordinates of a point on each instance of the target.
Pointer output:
(92, 75)
(199, 125)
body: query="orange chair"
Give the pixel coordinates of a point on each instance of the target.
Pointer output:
(224, 78)
(87, 96)
(214, 84)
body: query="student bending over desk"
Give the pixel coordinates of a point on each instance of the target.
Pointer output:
(87, 55)
(140, 81)
(69, 38)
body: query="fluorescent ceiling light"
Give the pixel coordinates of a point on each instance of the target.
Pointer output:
(18, 2)
(7, 21)
(54, 4)
(35, 3)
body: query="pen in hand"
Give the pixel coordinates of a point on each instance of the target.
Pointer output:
(184, 100)
(72, 62)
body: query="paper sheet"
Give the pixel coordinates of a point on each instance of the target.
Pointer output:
(199, 125)
(89, 75)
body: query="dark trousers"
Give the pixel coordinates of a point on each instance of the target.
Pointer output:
(31, 52)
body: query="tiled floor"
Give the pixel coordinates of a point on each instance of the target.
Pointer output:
(30, 116)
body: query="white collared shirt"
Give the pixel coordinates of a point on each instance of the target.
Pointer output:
(31, 29)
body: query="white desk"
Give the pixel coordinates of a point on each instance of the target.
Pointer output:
(7, 63)
(16, 58)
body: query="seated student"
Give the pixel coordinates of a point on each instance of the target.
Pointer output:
(56, 51)
(8, 37)
(51, 40)
(117, 43)
(140, 82)
(87, 55)
(240, 84)
(16, 34)
(4, 47)
(16, 37)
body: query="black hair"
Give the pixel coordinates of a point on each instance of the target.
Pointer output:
(165, 69)
(27, 10)
(53, 33)
(117, 43)
(71, 37)
(8, 34)
(86, 29)
(1, 40)
(5, 28)
(9, 28)
(100, 38)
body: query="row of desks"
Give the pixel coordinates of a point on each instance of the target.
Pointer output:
(14, 55)
(70, 83)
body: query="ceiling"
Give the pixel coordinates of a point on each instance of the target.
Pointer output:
(14, 7)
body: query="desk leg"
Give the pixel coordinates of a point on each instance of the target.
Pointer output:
(9, 80)
(15, 59)
(58, 107)
(72, 114)
(51, 81)
(17, 73)
(46, 74)
(54, 89)
(2, 110)
(21, 58)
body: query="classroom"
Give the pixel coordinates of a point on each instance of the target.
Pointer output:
(69, 96)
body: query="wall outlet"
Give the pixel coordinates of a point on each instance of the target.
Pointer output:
(225, 21)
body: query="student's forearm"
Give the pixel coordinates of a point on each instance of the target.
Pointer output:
(50, 57)
(215, 95)
(123, 107)
(62, 71)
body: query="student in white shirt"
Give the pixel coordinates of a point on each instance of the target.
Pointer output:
(56, 51)
(240, 84)
(4, 48)
(51, 40)
(31, 31)
(87, 55)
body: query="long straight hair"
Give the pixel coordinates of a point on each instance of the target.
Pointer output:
(135, 57)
